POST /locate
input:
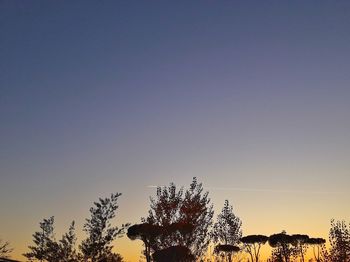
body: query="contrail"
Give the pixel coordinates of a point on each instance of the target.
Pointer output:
(265, 190)
(273, 190)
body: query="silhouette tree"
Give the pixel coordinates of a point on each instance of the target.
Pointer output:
(226, 250)
(147, 233)
(190, 209)
(252, 244)
(282, 247)
(45, 248)
(318, 244)
(5, 249)
(66, 250)
(227, 229)
(97, 246)
(339, 238)
(300, 243)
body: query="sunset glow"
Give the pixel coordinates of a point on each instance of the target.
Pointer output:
(98, 97)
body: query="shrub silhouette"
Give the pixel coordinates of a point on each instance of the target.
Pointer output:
(174, 254)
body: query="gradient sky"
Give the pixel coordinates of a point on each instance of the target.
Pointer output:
(252, 97)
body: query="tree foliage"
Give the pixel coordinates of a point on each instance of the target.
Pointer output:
(66, 250)
(226, 250)
(318, 248)
(97, 246)
(46, 247)
(227, 229)
(300, 243)
(186, 214)
(252, 245)
(282, 248)
(5, 249)
(113, 257)
(339, 238)
(147, 233)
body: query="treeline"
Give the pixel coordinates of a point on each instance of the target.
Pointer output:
(179, 226)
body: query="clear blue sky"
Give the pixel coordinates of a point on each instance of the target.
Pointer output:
(105, 96)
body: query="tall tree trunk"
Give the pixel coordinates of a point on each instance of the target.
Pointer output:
(301, 254)
(148, 252)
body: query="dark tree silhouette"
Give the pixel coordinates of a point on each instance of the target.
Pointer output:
(97, 246)
(113, 257)
(318, 245)
(226, 250)
(227, 229)
(147, 233)
(66, 251)
(46, 248)
(5, 249)
(252, 244)
(282, 247)
(191, 209)
(174, 254)
(339, 238)
(300, 243)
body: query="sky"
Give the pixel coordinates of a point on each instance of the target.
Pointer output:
(250, 97)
